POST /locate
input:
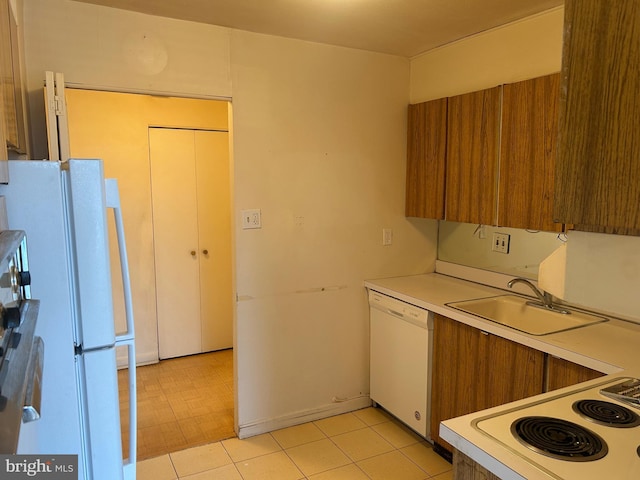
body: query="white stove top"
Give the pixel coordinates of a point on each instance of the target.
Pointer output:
(622, 460)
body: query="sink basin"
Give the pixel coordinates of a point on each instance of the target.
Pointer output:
(512, 311)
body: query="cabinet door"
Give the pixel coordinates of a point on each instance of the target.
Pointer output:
(175, 233)
(473, 129)
(214, 238)
(473, 370)
(426, 151)
(514, 372)
(598, 170)
(7, 85)
(459, 362)
(528, 154)
(562, 373)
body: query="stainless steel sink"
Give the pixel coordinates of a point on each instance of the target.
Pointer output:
(512, 311)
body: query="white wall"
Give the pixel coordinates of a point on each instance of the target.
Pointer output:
(319, 145)
(602, 269)
(320, 148)
(521, 50)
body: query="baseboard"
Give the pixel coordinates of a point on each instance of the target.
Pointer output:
(329, 410)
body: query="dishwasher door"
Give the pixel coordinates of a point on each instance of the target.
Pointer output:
(400, 360)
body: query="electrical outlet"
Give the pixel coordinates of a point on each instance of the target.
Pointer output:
(251, 218)
(501, 242)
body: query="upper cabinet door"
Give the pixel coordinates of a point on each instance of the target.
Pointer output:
(528, 154)
(472, 152)
(598, 168)
(426, 152)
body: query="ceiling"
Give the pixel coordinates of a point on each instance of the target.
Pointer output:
(399, 27)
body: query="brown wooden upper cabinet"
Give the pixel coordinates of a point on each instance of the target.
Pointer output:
(528, 154)
(11, 84)
(598, 167)
(473, 134)
(455, 146)
(426, 150)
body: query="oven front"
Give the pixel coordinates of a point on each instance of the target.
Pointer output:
(21, 351)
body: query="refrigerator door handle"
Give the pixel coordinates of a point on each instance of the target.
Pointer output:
(128, 338)
(113, 201)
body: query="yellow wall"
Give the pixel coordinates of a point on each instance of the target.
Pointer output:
(518, 51)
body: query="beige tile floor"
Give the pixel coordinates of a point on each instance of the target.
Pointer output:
(182, 402)
(366, 444)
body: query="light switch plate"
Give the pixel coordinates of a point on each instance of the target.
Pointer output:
(251, 218)
(501, 242)
(387, 236)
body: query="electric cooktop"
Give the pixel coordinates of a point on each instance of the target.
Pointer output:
(588, 433)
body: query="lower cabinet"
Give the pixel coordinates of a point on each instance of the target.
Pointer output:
(474, 370)
(562, 373)
(466, 469)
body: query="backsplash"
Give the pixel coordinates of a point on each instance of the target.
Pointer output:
(603, 273)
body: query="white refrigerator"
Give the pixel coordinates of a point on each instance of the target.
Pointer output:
(63, 208)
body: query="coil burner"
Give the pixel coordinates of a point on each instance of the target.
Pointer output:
(606, 413)
(559, 439)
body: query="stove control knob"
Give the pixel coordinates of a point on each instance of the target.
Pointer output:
(10, 316)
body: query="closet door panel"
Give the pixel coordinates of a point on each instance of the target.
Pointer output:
(214, 220)
(175, 231)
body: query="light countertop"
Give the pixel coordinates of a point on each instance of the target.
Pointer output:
(610, 347)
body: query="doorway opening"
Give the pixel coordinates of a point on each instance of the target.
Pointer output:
(194, 394)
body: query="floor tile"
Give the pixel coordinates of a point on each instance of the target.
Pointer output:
(153, 411)
(240, 450)
(160, 439)
(348, 472)
(158, 468)
(372, 416)
(275, 466)
(444, 476)
(199, 459)
(361, 444)
(396, 434)
(318, 456)
(228, 472)
(392, 466)
(298, 435)
(423, 455)
(207, 428)
(338, 424)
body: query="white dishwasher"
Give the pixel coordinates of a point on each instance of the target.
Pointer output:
(400, 372)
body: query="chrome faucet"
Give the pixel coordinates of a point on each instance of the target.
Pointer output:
(545, 299)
